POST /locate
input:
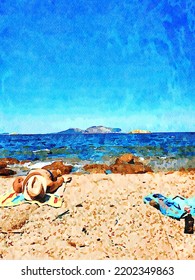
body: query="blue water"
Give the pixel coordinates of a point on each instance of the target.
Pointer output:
(160, 150)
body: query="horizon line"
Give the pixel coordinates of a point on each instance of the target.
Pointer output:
(84, 133)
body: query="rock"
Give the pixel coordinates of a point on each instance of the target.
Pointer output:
(65, 169)
(24, 161)
(145, 168)
(169, 172)
(3, 165)
(189, 170)
(125, 168)
(6, 172)
(96, 168)
(129, 164)
(10, 161)
(125, 164)
(127, 158)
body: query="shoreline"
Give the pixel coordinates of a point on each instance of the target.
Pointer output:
(107, 220)
(22, 167)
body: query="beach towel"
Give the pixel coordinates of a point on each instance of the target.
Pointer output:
(10, 199)
(177, 207)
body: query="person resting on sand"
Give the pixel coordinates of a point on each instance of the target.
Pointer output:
(38, 182)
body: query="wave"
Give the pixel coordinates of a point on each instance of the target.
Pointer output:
(39, 164)
(42, 150)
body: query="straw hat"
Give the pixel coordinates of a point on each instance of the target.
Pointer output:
(36, 185)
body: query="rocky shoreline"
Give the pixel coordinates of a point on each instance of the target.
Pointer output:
(124, 164)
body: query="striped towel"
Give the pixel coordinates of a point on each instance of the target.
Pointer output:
(177, 207)
(10, 199)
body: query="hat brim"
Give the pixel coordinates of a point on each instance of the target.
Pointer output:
(44, 188)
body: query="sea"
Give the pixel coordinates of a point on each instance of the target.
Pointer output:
(162, 151)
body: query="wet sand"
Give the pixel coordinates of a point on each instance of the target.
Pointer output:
(107, 219)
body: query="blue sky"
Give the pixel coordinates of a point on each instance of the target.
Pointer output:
(78, 63)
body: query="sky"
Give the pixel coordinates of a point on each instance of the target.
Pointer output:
(79, 63)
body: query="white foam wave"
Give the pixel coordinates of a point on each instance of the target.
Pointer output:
(43, 150)
(39, 164)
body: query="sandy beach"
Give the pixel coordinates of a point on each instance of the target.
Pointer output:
(107, 219)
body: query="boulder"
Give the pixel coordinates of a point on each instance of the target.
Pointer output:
(127, 158)
(65, 169)
(6, 172)
(125, 168)
(96, 168)
(3, 164)
(25, 161)
(129, 164)
(189, 170)
(10, 161)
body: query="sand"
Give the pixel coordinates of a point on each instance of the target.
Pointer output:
(107, 219)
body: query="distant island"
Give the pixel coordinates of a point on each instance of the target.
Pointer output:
(91, 130)
(139, 131)
(71, 131)
(7, 133)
